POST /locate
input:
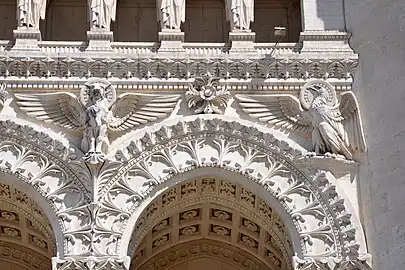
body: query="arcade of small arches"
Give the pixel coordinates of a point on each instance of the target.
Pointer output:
(175, 197)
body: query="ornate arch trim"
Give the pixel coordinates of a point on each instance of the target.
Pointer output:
(40, 163)
(265, 157)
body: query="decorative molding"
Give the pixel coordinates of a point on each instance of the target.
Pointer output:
(216, 209)
(207, 249)
(207, 141)
(4, 95)
(19, 255)
(91, 263)
(149, 68)
(206, 95)
(42, 162)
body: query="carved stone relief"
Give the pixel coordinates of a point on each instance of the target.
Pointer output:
(215, 209)
(209, 142)
(335, 123)
(97, 199)
(206, 95)
(95, 113)
(22, 219)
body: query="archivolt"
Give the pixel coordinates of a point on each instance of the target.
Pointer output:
(308, 196)
(40, 163)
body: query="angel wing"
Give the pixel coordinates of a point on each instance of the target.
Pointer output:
(282, 110)
(137, 109)
(62, 108)
(349, 123)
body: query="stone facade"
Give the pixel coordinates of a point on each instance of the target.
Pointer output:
(379, 83)
(171, 134)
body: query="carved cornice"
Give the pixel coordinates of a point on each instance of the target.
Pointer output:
(75, 68)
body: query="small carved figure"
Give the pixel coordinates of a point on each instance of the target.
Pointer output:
(335, 124)
(102, 12)
(240, 13)
(93, 113)
(29, 12)
(171, 13)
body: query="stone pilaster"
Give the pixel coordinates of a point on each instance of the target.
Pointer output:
(319, 41)
(324, 26)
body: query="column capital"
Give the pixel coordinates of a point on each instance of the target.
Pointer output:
(91, 263)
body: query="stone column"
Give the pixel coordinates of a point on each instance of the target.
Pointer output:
(323, 24)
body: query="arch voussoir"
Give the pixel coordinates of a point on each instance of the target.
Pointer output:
(38, 163)
(325, 233)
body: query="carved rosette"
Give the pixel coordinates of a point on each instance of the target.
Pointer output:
(207, 96)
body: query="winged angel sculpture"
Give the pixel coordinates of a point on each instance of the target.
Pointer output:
(335, 124)
(96, 112)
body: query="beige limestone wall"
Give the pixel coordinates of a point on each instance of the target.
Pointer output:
(378, 29)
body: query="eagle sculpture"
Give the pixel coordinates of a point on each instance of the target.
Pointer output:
(96, 112)
(335, 123)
